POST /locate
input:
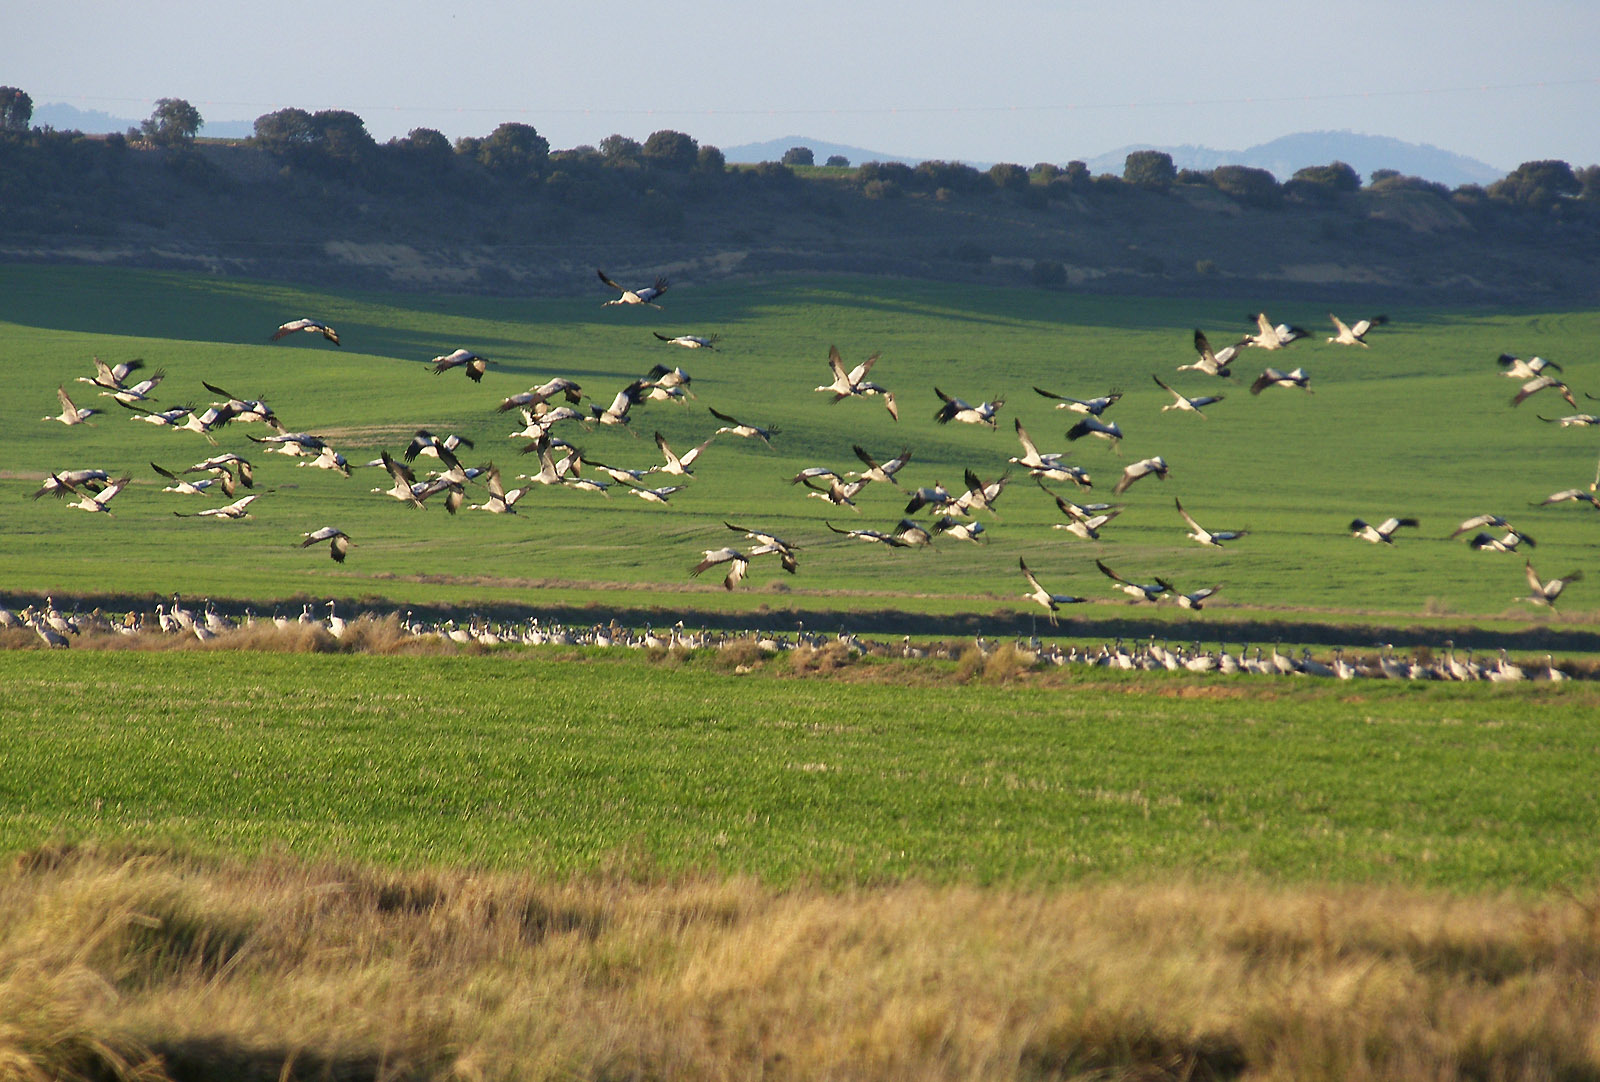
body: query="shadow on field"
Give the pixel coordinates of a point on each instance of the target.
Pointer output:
(213, 1059)
(895, 623)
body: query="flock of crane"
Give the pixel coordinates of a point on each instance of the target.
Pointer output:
(176, 620)
(560, 400)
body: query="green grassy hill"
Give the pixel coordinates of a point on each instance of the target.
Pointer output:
(1421, 424)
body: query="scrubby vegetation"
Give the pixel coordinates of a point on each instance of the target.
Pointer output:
(154, 965)
(506, 212)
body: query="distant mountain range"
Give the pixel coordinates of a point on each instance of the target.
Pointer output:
(1283, 156)
(63, 117)
(774, 149)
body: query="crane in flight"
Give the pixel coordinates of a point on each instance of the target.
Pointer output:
(99, 500)
(338, 541)
(1545, 591)
(310, 326)
(1354, 334)
(1199, 533)
(646, 296)
(474, 364)
(955, 409)
(689, 341)
(1212, 363)
(1381, 534)
(1183, 401)
(1052, 602)
(70, 414)
(1268, 336)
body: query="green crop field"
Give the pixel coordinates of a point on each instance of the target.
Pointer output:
(1421, 424)
(560, 862)
(556, 764)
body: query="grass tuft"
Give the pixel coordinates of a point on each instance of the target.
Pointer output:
(742, 653)
(346, 970)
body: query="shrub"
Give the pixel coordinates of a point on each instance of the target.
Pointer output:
(1149, 169)
(1537, 184)
(1252, 187)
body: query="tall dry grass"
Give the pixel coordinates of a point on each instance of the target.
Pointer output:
(368, 633)
(151, 965)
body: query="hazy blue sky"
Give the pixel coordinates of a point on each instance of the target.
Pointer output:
(1022, 82)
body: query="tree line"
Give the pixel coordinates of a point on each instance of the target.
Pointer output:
(333, 145)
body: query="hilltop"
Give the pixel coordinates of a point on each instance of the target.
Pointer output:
(498, 217)
(1285, 155)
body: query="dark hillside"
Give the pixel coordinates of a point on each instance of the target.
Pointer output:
(395, 218)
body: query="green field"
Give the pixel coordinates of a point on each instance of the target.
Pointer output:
(241, 861)
(1419, 425)
(559, 763)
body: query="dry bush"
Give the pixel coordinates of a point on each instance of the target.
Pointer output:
(278, 968)
(369, 634)
(297, 638)
(50, 1031)
(1005, 663)
(824, 659)
(20, 638)
(744, 653)
(969, 665)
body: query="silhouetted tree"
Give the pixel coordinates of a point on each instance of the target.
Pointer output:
(620, 150)
(1392, 180)
(16, 109)
(1336, 175)
(285, 133)
(173, 123)
(1536, 184)
(799, 156)
(671, 150)
(342, 140)
(1008, 177)
(424, 150)
(1149, 169)
(838, 161)
(514, 150)
(1470, 197)
(1589, 182)
(1076, 174)
(711, 161)
(956, 176)
(582, 154)
(1045, 171)
(893, 172)
(332, 141)
(1253, 187)
(775, 173)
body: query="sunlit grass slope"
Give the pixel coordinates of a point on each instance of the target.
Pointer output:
(1421, 425)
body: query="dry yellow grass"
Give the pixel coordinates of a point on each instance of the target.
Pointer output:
(367, 634)
(152, 965)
